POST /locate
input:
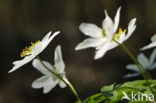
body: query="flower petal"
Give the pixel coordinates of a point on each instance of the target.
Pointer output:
(143, 60)
(132, 67)
(46, 37)
(37, 64)
(90, 42)
(59, 63)
(131, 28)
(122, 38)
(153, 38)
(113, 45)
(46, 82)
(49, 87)
(153, 66)
(22, 62)
(101, 52)
(91, 30)
(62, 84)
(41, 82)
(117, 19)
(153, 56)
(151, 45)
(52, 37)
(108, 26)
(38, 48)
(131, 75)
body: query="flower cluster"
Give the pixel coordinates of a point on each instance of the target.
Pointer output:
(102, 39)
(47, 81)
(148, 64)
(29, 53)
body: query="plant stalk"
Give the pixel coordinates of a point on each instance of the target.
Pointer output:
(140, 67)
(63, 79)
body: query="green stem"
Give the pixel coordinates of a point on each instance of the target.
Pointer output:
(63, 79)
(140, 67)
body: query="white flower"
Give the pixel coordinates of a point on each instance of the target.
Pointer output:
(29, 53)
(102, 38)
(48, 81)
(151, 45)
(148, 64)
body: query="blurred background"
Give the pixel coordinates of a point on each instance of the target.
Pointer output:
(25, 21)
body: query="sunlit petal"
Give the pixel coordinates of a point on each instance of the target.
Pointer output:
(91, 30)
(131, 28)
(90, 42)
(59, 63)
(117, 19)
(37, 64)
(108, 26)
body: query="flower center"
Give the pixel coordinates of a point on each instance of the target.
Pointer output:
(117, 35)
(28, 50)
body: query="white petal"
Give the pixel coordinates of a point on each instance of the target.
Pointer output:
(153, 56)
(131, 75)
(62, 84)
(132, 67)
(44, 43)
(113, 45)
(151, 45)
(91, 30)
(46, 82)
(117, 19)
(52, 37)
(153, 66)
(90, 42)
(143, 60)
(122, 38)
(153, 38)
(108, 26)
(59, 63)
(131, 28)
(46, 37)
(101, 52)
(40, 82)
(49, 87)
(19, 63)
(37, 64)
(37, 49)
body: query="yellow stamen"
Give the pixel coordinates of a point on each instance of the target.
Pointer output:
(27, 50)
(117, 35)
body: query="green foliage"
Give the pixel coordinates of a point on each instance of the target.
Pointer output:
(114, 93)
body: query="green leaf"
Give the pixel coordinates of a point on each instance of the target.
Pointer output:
(114, 93)
(107, 88)
(97, 98)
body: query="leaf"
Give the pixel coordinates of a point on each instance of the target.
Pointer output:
(97, 98)
(107, 88)
(114, 93)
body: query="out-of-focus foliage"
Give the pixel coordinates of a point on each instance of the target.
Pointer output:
(114, 93)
